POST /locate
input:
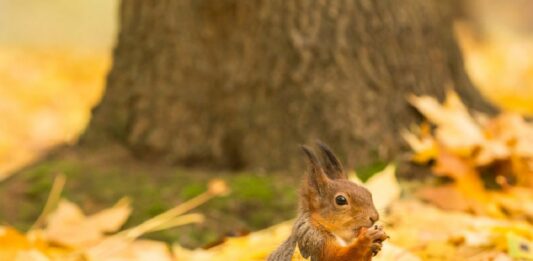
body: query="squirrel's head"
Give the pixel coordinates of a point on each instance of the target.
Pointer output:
(339, 205)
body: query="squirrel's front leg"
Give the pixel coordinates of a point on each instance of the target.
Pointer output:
(367, 244)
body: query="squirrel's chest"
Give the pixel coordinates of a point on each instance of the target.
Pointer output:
(340, 241)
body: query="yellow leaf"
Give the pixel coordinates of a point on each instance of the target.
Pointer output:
(31, 255)
(110, 220)
(16, 246)
(434, 234)
(455, 127)
(255, 246)
(393, 252)
(425, 148)
(123, 249)
(384, 187)
(519, 247)
(68, 226)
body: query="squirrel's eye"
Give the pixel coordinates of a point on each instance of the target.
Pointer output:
(341, 200)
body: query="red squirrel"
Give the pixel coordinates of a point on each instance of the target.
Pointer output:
(337, 217)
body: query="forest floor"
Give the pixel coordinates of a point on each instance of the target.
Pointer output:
(98, 180)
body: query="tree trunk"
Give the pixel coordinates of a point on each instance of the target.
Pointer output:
(240, 84)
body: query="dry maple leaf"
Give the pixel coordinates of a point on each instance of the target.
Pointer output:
(463, 146)
(68, 226)
(455, 128)
(425, 147)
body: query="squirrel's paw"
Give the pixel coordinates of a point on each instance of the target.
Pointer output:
(376, 235)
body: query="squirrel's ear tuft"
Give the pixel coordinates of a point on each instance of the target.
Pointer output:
(313, 160)
(317, 179)
(332, 164)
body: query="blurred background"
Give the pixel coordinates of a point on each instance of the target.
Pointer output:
(54, 60)
(149, 143)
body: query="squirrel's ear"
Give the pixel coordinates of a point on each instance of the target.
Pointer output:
(333, 166)
(317, 179)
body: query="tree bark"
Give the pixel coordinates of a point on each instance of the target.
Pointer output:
(240, 84)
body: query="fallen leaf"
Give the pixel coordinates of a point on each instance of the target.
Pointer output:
(68, 226)
(393, 252)
(425, 148)
(519, 247)
(111, 219)
(31, 255)
(384, 187)
(123, 249)
(434, 234)
(455, 128)
(445, 197)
